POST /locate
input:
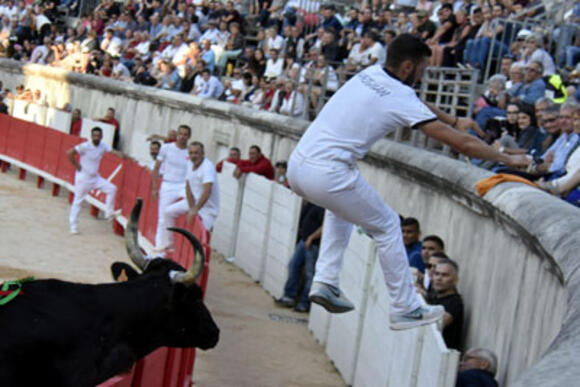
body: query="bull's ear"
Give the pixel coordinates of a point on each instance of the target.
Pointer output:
(123, 272)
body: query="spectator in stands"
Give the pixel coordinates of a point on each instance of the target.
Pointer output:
(557, 154)
(281, 169)
(111, 44)
(304, 257)
(322, 76)
(453, 51)
(233, 48)
(425, 287)
(109, 118)
(208, 86)
(41, 52)
(534, 52)
(550, 122)
(431, 244)
(119, 70)
(154, 148)
(477, 369)
(516, 78)
(330, 21)
(234, 157)
(411, 238)
(492, 102)
(288, 101)
(273, 41)
(76, 123)
(445, 279)
(170, 79)
(476, 50)
(423, 27)
(443, 35)
(257, 163)
(3, 106)
(207, 55)
(533, 87)
(403, 25)
(274, 65)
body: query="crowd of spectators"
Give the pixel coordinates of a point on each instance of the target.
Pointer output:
(284, 57)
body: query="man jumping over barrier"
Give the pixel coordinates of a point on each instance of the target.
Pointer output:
(323, 170)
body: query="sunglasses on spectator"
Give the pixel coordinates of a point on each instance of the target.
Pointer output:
(550, 119)
(532, 69)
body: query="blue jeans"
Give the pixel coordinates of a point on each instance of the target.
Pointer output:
(301, 257)
(476, 51)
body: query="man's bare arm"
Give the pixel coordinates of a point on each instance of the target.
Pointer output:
(71, 153)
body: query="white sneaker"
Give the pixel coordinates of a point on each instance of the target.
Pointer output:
(423, 315)
(74, 231)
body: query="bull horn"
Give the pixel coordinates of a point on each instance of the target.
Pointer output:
(131, 234)
(189, 277)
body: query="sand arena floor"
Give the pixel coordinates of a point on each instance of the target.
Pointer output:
(260, 344)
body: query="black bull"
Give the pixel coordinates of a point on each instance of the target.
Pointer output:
(63, 334)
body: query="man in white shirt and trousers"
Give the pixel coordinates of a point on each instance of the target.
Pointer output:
(174, 158)
(323, 170)
(201, 190)
(87, 176)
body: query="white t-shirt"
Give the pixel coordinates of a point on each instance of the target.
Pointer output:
(366, 108)
(91, 156)
(174, 161)
(196, 178)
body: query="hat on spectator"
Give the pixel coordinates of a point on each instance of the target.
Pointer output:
(523, 34)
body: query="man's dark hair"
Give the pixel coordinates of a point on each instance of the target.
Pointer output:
(406, 47)
(436, 239)
(411, 222)
(281, 164)
(371, 35)
(256, 148)
(97, 129)
(186, 127)
(205, 70)
(448, 6)
(452, 263)
(112, 109)
(476, 10)
(199, 144)
(236, 149)
(393, 33)
(439, 254)
(156, 143)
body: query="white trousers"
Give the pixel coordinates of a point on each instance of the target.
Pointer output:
(349, 200)
(83, 185)
(169, 193)
(181, 207)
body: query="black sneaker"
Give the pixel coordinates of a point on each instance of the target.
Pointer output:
(286, 302)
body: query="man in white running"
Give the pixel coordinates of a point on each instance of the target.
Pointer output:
(87, 175)
(174, 158)
(201, 190)
(323, 170)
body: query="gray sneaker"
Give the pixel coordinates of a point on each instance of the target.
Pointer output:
(330, 298)
(423, 315)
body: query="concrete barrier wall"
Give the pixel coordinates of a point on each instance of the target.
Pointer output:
(516, 247)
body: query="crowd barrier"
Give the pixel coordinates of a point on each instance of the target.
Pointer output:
(42, 151)
(56, 119)
(260, 220)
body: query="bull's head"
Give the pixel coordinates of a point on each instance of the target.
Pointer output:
(184, 319)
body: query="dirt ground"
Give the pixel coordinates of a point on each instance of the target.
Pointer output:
(260, 343)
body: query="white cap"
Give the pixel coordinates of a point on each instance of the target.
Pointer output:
(524, 33)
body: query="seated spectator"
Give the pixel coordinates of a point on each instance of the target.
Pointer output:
(445, 281)
(281, 169)
(492, 102)
(534, 52)
(549, 122)
(477, 49)
(208, 86)
(170, 79)
(430, 245)
(76, 123)
(452, 53)
(411, 234)
(304, 257)
(288, 101)
(329, 47)
(423, 27)
(443, 35)
(274, 65)
(257, 163)
(41, 52)
(109, 118)
(516, 78)
(233, 48)
(477, 369)
(234, 157)
(402, 26)
(425, 287)
(188, 80)
(207, 55)
(291, 69)
(359, 56)
(557, 154)
(111, 44)
(330, 21)
(256, 64)
(533, 87)
(323, 79)
(294, 43)
(119, 70)
(273, 41)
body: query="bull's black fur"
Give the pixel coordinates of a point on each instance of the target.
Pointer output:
(67, 334)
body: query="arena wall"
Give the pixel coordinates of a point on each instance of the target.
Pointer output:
(516, 246)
